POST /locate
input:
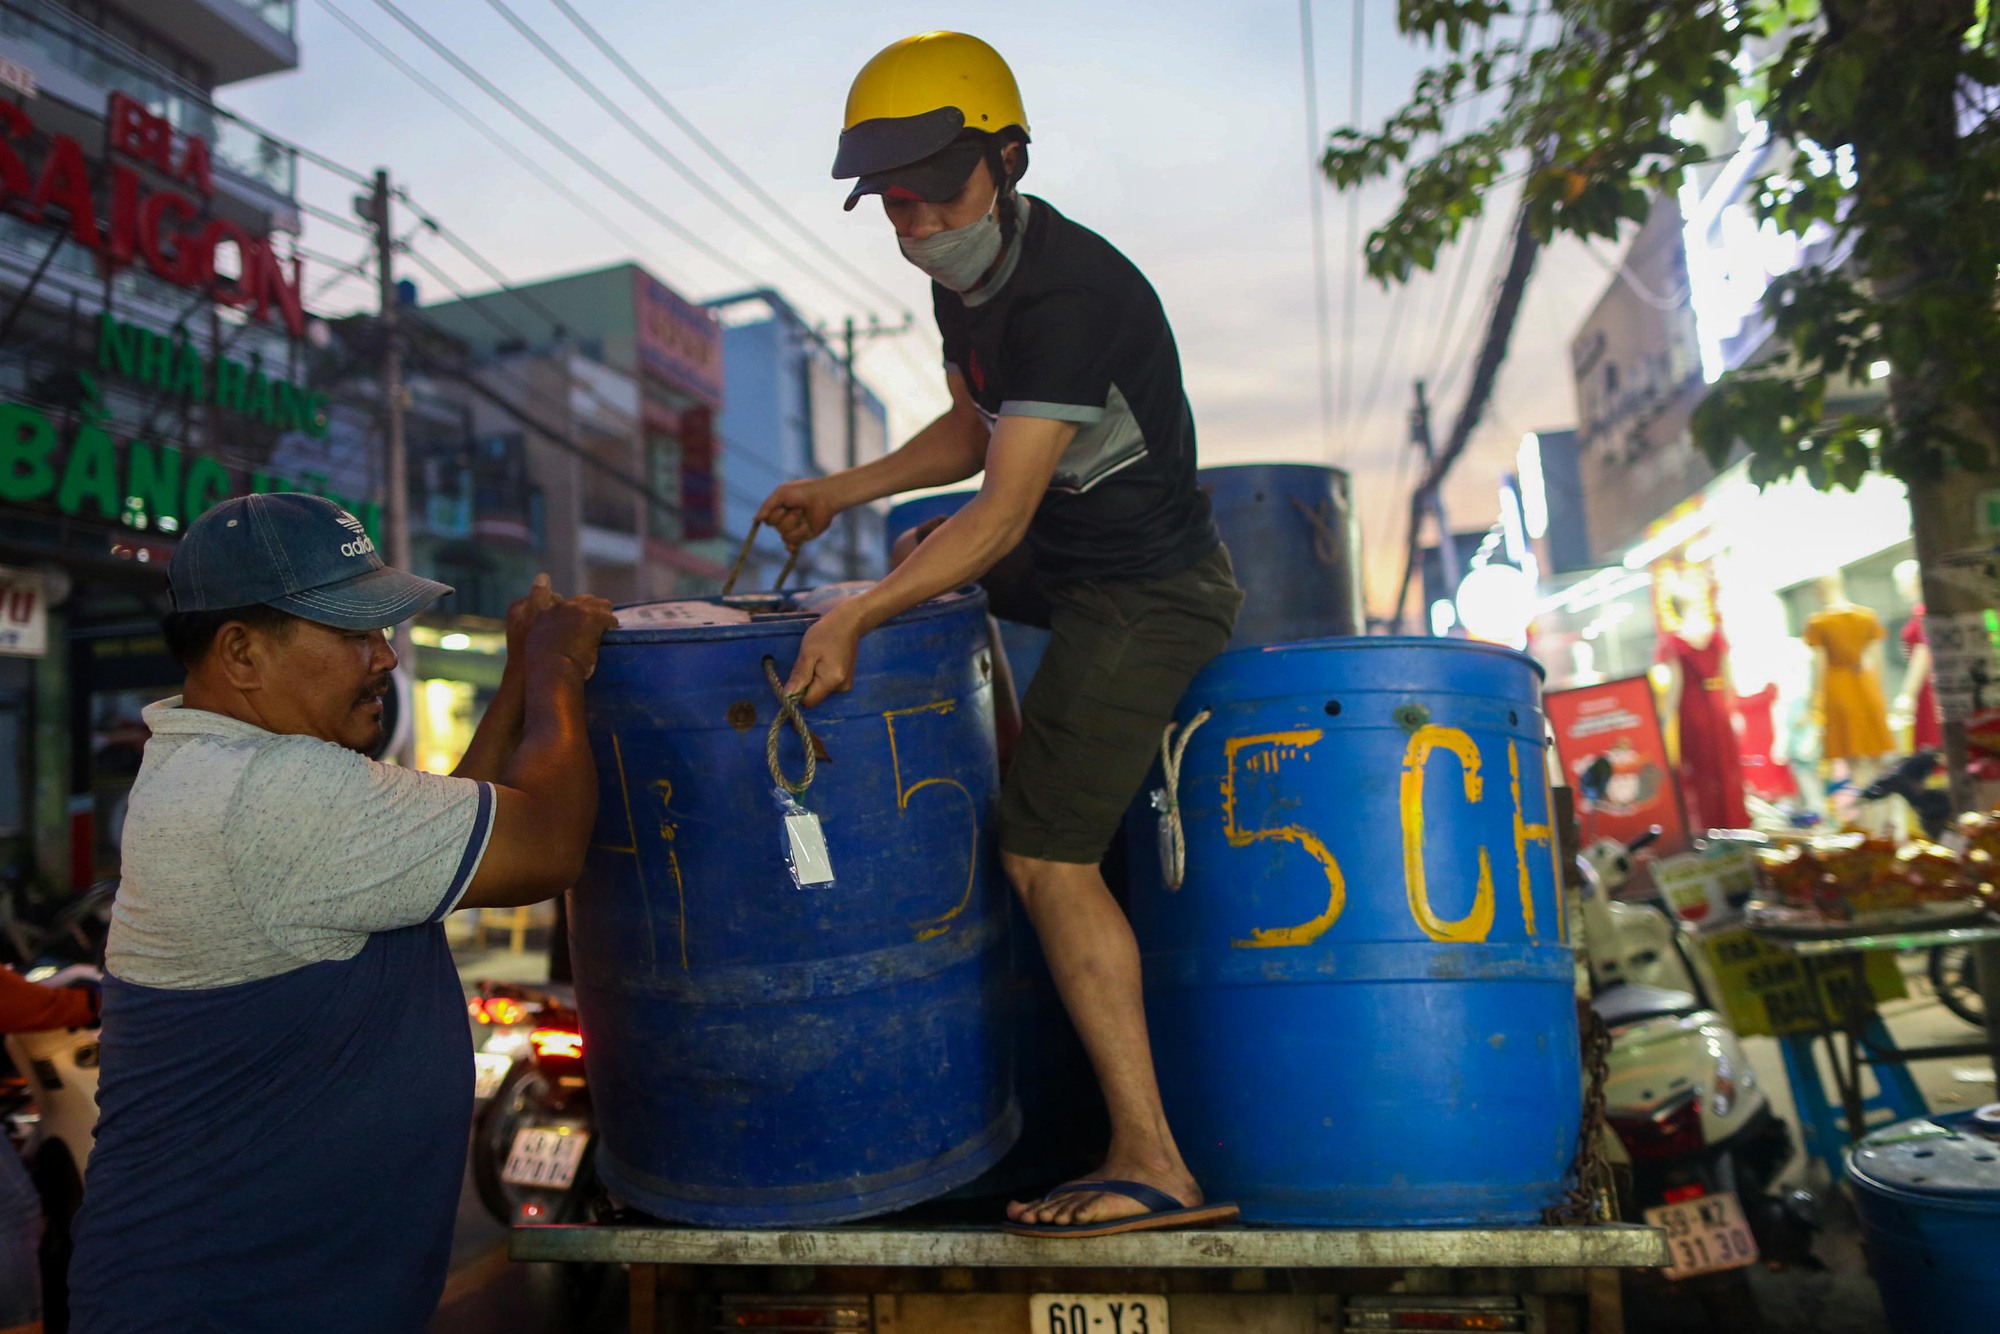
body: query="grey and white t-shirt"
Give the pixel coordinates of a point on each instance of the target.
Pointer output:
(249, 854)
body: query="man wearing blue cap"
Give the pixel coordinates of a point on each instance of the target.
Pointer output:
(287, 1069)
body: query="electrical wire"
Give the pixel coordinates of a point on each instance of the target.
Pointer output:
(664, 154)
(1316, 187)
(721, 158)
(493, 136)
(328, 216)
(568, 149)
(1351, 280)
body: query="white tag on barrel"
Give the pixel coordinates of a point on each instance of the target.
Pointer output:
(805, 844)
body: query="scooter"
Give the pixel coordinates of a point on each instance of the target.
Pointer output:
(48, 1105)
(1680, 1094)
(533, 1134)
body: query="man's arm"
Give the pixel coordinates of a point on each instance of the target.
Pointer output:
(546, 800)
(1019, 463)
(950, 449)
(499, 731)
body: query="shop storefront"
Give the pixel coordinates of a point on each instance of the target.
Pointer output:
(1764, 567)
(153, 363)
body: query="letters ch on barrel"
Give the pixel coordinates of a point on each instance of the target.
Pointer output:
(1269, 752)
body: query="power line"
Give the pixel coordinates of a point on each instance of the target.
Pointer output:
(493, 136)
(486, 266)
(1317, 185)
(327, 215)
(722, 159)
(568, 149)
(1352, 277)
(660, 150)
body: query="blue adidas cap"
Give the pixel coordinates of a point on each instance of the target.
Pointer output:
(299, 553)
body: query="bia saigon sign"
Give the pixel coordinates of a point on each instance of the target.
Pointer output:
(163, 228)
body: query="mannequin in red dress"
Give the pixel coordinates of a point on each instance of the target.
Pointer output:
(1917, 700)
(1698, 694)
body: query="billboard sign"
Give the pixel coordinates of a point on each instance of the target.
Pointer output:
(677, 339)
(1616, 720)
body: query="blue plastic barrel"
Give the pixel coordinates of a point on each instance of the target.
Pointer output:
(1928, 1192)
(765, 1055)
(1025, 644)
(1361, 998)
(1291, 534)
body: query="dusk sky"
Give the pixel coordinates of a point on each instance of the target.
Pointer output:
(1175, 129)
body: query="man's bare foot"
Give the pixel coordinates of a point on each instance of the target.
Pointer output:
(1068, 1208)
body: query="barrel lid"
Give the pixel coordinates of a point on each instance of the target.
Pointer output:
(749, 613)
(1946, 1159)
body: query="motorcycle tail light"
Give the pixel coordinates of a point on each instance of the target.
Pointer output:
(1693, 1190)
(557, 1043)
(504, 1010)
(1670, 1132)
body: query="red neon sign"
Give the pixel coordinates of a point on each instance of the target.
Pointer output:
(162, 228)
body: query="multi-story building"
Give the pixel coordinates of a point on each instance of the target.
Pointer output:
(615, 382)
(152, 361)
(785, 416)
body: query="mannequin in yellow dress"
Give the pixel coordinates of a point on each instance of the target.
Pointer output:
(1846, 640)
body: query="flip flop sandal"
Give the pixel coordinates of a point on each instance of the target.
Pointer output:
(1162, 1211)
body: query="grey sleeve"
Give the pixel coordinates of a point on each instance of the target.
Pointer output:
(326, 846)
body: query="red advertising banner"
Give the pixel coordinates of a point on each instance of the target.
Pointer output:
(677, 339)
(1617, 720)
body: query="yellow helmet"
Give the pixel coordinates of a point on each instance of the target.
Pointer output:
(915, 99)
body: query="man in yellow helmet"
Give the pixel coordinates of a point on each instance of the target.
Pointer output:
(1066, 392)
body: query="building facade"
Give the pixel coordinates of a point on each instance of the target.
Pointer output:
(615, 383)
(153, 360)
(786, 416)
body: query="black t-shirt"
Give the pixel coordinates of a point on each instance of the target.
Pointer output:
(1075, 333)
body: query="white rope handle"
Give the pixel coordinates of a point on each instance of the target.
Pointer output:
(1171, 754)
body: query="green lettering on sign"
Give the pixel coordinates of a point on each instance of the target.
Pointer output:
(27, 442)
(90, 473)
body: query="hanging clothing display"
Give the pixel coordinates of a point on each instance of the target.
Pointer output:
(1711, 766)
(1926, 730)
(1761, 773)
(1854, 715)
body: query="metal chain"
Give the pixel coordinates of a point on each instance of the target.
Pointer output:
(788, 711)
(1593, 1198)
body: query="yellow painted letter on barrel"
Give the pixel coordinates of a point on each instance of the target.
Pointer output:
(1525, 834)
(1284, 746)
(1477, 924)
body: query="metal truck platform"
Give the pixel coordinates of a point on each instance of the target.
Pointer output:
(1614, 1246)
(927, 1279)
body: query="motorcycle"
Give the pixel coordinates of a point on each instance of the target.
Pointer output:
(1704, 1145)
(532, 1132)
(48, 1104)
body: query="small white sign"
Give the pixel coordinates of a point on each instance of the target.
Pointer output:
(16, 77)
(24, 613)
(810, 863)
(1965, 656)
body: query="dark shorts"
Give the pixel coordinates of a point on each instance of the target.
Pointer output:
(1121, 656)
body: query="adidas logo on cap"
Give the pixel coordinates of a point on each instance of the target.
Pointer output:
(361, 546)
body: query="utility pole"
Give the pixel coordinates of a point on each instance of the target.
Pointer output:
(1420, 432)
(374, 208)
(396, 502)
(852, 562)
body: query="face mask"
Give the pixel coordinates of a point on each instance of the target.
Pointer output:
(959, 258)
